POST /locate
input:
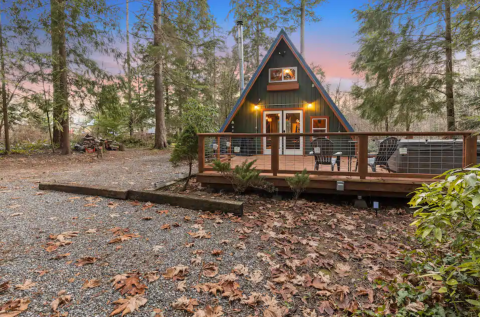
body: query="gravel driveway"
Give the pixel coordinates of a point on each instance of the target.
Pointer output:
(28, 218)
(133, 169)
(59, 252)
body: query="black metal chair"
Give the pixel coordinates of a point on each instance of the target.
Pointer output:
(385, 151)
(323, 153)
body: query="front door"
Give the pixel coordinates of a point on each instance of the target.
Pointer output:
(286, 121)
(293, 123)
(272, 123)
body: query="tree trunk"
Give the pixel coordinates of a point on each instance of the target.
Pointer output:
(60, 84)
(302, 28)
(160, 128)
(449, 68)
(6, 124)
(189, 176)
(257, 35)
(386, 123)
(129, 78)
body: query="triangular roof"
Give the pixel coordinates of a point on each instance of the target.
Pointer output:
(283, 35)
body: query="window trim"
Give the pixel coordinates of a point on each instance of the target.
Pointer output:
(283, 80)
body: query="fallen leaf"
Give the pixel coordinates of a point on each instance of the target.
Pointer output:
(152, 276)
(14, 307)
(28, 284)
(62, 299)
(184, 303)
(4, 286)
(256, 276)
(181, 286)
(176, 273)
(85, 260)
(91, 283)
(210, 269)
(129, 284)
(128, 305)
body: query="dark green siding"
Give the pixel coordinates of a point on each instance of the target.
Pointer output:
(244, 120)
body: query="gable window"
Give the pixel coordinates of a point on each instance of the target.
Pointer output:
(319, 124)
(285, 74)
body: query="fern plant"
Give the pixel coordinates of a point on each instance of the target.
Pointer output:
(298, 183)
(243, 176)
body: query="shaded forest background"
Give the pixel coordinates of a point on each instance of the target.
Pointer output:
(418, 62)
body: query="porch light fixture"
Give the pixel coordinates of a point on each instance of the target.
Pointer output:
(309, 106)
(256, 107)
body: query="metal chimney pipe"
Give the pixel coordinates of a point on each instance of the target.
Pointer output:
(240, 54)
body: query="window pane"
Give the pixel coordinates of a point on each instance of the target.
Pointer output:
(319, 123)
(289, 74)
(275, 74)
(292, 125)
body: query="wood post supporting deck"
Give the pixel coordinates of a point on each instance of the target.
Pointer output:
(201, 153)
(363, 156)
(275, 155)
(469, 150)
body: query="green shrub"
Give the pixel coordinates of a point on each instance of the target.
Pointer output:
(243, 176)
(298, 183)
(445, 271)
(186, 150)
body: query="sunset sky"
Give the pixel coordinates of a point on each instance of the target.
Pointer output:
(328, 43)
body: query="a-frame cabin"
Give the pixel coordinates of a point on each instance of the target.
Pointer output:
(285, 96)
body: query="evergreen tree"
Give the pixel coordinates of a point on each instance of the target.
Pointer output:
(186, 150)
(406, 54)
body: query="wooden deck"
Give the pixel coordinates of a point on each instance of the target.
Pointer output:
(354, 181)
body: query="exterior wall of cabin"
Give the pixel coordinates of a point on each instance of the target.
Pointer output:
(249, 120)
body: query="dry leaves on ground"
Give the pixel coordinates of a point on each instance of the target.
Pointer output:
(85, 260)
(129, 284)
(91, 283)
(28, 284)
(210, 269)
(128, 305)
(62, 299)
(186, 304)
(178, 272)
(14, 307)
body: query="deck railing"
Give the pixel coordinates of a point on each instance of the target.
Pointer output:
(355, 154)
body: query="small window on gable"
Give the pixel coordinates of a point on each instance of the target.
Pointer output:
(319, 125)
(278, 75)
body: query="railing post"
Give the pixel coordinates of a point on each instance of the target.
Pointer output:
(218, 148)
(363, 156)
(469, 150)
(201, 153)
(275, 155)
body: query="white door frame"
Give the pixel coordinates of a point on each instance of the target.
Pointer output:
(284, 120)
(280, 129)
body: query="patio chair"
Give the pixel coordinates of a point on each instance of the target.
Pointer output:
(323, 152)
(385, 151)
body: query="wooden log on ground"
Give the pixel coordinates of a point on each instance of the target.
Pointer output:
(189, 202)
(85, 190)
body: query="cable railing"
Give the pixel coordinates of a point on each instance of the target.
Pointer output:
(356, 154)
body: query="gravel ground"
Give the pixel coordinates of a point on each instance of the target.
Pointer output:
(309, 259)
(23, 238)
(132, 169)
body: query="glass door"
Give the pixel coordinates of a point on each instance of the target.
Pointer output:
(272, 123)
(293, 123)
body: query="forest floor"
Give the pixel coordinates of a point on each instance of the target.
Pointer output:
(63, 254)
